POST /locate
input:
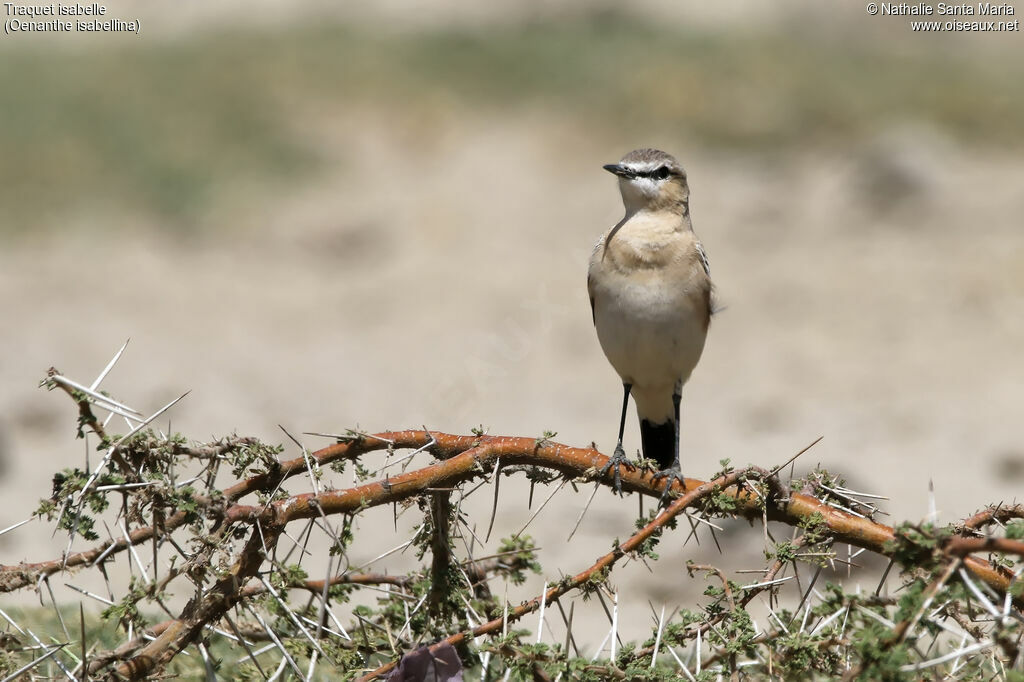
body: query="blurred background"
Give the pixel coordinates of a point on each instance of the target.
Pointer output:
(330, 217)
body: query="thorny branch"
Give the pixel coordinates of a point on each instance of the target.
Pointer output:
(465, 458)
(753, 493)
(595, 571)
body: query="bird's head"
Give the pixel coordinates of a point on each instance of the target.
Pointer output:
(651, 180)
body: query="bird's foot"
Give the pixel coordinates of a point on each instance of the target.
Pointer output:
(615, 463)
(670, 475)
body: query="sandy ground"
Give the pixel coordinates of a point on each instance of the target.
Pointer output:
(873, 297)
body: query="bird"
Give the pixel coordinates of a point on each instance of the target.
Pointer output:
(651, 301)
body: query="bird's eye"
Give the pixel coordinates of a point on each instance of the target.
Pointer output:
(662, 173)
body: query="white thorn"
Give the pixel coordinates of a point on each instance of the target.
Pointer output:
(657, 637)
(543, 603)
(110, 365)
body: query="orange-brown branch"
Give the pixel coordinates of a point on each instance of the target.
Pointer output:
(463, 464)
(964, 546)
(465, 457)
(995, 514)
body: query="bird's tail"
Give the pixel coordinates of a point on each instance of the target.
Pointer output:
(659, 442)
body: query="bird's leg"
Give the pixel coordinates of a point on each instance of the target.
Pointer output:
(674, 472)
(618, 458)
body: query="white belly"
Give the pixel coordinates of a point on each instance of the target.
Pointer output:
(650, 292)
(651, 331)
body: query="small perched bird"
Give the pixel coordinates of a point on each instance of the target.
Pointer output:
(650, 295)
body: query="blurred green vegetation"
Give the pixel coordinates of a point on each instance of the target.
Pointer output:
(19, 648)
(162, 128)
(228, 659)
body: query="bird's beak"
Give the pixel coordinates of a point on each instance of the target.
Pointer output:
(618, 169)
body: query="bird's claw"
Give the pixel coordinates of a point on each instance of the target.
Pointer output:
(615, 463)
(671, 475)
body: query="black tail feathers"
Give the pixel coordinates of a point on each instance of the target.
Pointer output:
(659, 442)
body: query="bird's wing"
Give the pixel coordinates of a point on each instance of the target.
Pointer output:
(590, 290)
(709, 294)
(703, 259)
(598, 248)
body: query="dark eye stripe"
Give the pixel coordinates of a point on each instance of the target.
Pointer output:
(660, 173)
